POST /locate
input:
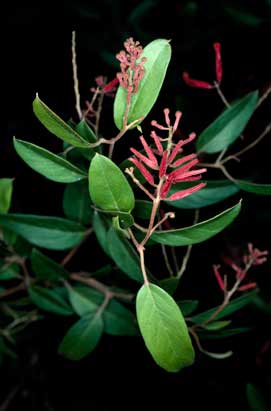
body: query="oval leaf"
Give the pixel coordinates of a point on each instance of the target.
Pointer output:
(198, 232)
(262, 189)
(48, 164)
(49, 232)
(49, 300)
(158, 54)
(124, 255)
(228, 126)
(84, 301)
(76, 202)
(233, 306)
(212, 193)
(108, 187)
(45, 268)
(5, 194)
(56, 125)
(82, 337)
(118, 320)
(163, 328)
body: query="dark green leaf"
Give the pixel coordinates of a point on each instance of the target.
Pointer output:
(187, 307)
(101, 226)
(48, 164)
(217, 325)
(45, 268)
(9, 272)
(85, 131)
(219, 334)
(142, 209)
(82, 337)
(118, 320)
(198, 232)
(108, 187)
(212, 193)
(76, 202)
(158, 54)
(262, 189)
(48, 232)
(234, 305)
(169, 284)
(163, 328)
(84, 301)
(256, 401)
(124, 255)
(56, 125)
(5, 194)
(49, 300)
(228, 126)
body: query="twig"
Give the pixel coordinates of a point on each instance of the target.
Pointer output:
(251, 145)
(13, 290)
(75, 77)
(188, 250)
(264, 96)
(5, 405)
(92, 282)
(74, 250)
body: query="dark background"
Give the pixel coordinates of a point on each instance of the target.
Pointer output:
(36, 57)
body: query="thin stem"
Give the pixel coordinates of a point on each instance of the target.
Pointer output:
(140, 250)
(12, 290)
(188, 250)
(130, 172)
(250, 146)
(75, 77)
(221, 94)
(97, 285)
(98, 113)
(74, 250)
(166, 260)
(264, 96)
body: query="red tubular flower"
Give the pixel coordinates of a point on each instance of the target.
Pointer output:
(218, 62)
(111, 85)
(179, 174)
(248, 286)
(218, 276)
(196, 83)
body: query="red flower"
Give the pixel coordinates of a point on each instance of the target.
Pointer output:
(218, 70)
(168, 161)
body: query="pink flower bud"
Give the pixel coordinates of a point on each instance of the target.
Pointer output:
(218, 62)
(196, 83)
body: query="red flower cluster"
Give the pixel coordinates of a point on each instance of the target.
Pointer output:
(254, 257)
(132, 71)
(181, 167)
(218, 69)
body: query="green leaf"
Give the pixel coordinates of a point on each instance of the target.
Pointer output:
(169, 284)
(124, 255)
(101, 226)
(118, 320)
(233, 306)
(143, 209)
(84, 301)
(85, 131)
(187, 307)
(108, 187)
(158, 54)
(48, 164)
(45, 268)
(76, 202)
(228, 126)
(9, 272)
(198, 232)
(262, 189)
(219, 334)
(212, 193)
(255, 399)
(217, 325)
(49, 232)
(82, 337)
(5, 194)
(49, 300)
(163, 328)
(56, 125)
